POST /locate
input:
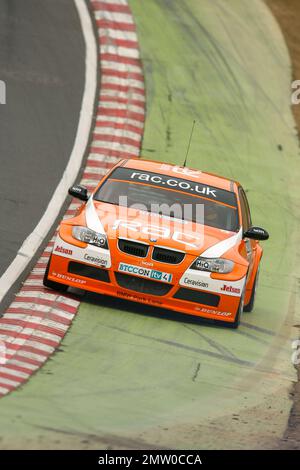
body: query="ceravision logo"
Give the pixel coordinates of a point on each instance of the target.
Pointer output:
(192, 282)
(2, 92)
(227, 288)
(95, 260)
(63, 250)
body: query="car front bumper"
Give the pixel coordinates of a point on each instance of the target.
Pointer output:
(109, 281)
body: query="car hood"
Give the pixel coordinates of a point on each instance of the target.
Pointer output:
(154, 229)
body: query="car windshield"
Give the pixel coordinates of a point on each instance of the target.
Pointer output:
(170, 197)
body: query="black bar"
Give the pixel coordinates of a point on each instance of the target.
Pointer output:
(136, 458)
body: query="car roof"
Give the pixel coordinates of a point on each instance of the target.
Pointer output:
(186, 173)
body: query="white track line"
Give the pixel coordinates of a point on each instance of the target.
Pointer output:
(35, 323)
(34, 240)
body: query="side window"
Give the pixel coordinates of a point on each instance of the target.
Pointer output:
(245, 210)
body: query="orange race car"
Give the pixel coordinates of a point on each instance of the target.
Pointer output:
(162, 235)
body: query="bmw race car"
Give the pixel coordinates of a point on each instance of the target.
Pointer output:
(162, 235)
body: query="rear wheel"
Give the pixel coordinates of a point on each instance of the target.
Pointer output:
(249, 307)
(52, 284)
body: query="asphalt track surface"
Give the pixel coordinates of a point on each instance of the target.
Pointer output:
(131, 377)
(42, 63)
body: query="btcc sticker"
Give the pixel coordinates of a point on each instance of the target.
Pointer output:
(145, 272)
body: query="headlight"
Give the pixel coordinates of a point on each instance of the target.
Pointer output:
(87, 235)
(213, 265)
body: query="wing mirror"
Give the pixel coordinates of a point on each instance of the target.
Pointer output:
(256, 233)
(80, 192)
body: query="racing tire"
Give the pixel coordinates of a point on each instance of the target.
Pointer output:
(249, 307)
(52, 284)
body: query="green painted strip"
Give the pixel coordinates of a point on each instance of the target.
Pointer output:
(131, 376)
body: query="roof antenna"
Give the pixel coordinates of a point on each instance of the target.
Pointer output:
(189, 144)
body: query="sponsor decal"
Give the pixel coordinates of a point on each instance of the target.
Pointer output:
(159, 232)
(186, 186)
(181, 170)
(227, 288)
(138, 298)
(65, 251)
(180, 184)
(95, 260)
(144, 272)
(192, 282)
(147, 263)
(68, 278)
(206, 282)
(213, 312)
(202, 264)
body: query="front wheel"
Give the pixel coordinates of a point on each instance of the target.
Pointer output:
(52, 284)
